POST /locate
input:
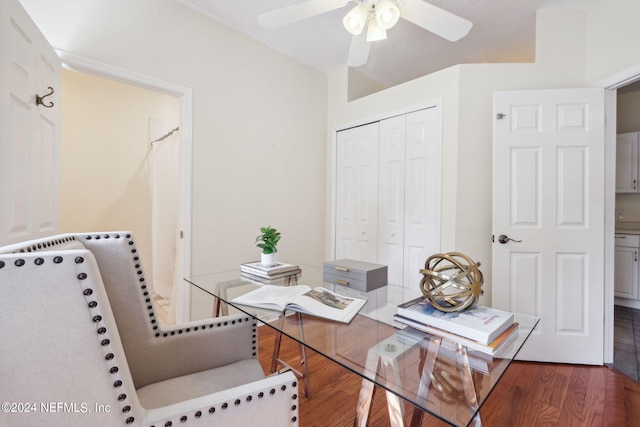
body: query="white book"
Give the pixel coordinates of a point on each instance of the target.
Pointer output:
(480, 323)
(497, 348)
(288, 280)
(277, 270)
(477, 361)
(318, 301)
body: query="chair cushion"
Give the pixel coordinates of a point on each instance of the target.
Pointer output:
(179, 389)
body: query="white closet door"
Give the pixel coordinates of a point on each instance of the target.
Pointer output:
(357, 193)
(423, 158)
(391, 199)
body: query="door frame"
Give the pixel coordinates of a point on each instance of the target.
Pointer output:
(185, 94)
(611, 86)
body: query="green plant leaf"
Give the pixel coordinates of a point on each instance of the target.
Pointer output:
(268, 239)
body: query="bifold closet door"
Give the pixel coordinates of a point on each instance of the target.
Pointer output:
(409, 197)
(391, 179)
(388, 196)
(422, 201)
(357, 193)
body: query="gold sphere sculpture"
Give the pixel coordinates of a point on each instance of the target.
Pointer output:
(452, 281)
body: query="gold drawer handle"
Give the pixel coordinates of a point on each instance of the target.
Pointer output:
(342, 282)
(341, 268)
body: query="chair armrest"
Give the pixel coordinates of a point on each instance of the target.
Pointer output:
(271, 402)
(195, 346)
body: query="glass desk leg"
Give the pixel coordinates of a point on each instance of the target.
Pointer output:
(466, 376)
(383, 357)
(277, 361)
(467, 384)
(426, 368)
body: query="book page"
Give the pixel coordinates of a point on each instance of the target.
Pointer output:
(324, 303)
(271, 296)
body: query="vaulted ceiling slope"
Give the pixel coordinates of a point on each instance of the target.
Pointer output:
(503, 31)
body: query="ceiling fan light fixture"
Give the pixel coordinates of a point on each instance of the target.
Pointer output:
(356, 19)
(387, 14)
(374, 32)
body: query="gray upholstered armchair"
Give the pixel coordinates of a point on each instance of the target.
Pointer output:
(80, 345)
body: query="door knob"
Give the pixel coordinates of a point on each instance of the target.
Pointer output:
(504, 239)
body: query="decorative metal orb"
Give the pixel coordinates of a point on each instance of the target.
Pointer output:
(452, 281)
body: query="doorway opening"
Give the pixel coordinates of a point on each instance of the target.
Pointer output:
(118, 114)
(626, 318)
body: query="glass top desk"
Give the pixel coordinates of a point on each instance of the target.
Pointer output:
(433, 374)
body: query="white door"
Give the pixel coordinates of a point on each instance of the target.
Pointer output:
(29, 133)
(548, 196)
(357, 193)
(391, 198)
(422, 194)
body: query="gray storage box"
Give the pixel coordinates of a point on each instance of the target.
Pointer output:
(359, 275)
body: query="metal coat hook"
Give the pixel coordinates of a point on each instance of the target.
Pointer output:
(40, 99)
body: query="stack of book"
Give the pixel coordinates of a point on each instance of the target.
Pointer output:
(281, 274)
(478, 361)
(481, 328)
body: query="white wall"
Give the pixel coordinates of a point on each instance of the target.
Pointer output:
(628, 110)
(612, 38)
(259, 126)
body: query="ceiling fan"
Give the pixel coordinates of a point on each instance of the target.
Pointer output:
(376, 16)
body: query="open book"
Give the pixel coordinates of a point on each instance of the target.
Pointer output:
(319, 301)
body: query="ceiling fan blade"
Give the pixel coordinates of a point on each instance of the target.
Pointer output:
(359, 50)
(438, 21)
(297, 12)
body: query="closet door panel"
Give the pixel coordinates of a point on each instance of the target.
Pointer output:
(422, 193)
(357, 193)
(388, 196)
(391, 197)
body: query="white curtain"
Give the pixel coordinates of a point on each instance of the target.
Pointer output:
(164, 179)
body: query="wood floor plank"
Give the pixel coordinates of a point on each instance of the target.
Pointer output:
(528, 395)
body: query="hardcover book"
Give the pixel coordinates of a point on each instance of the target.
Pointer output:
(482, 324)
(287, 280)
(318, 301)
(495, 348)
(278, 270)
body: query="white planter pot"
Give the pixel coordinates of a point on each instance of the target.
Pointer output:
(268, 260)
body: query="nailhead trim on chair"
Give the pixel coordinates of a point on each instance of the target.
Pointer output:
(95, 317)
(105, 342)
(138, 267)
(48, 244)
(145, 293)
(212, 409)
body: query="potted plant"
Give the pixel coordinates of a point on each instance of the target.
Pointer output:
(268, 242)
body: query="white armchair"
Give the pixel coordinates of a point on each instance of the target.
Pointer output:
(81, 345)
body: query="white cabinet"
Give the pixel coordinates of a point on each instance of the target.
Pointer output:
(388, 181)
(626, 265)
(627, 162)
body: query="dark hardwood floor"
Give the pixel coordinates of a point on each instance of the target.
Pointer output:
(529, 394)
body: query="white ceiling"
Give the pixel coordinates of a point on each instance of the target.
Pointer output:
(503, 31)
